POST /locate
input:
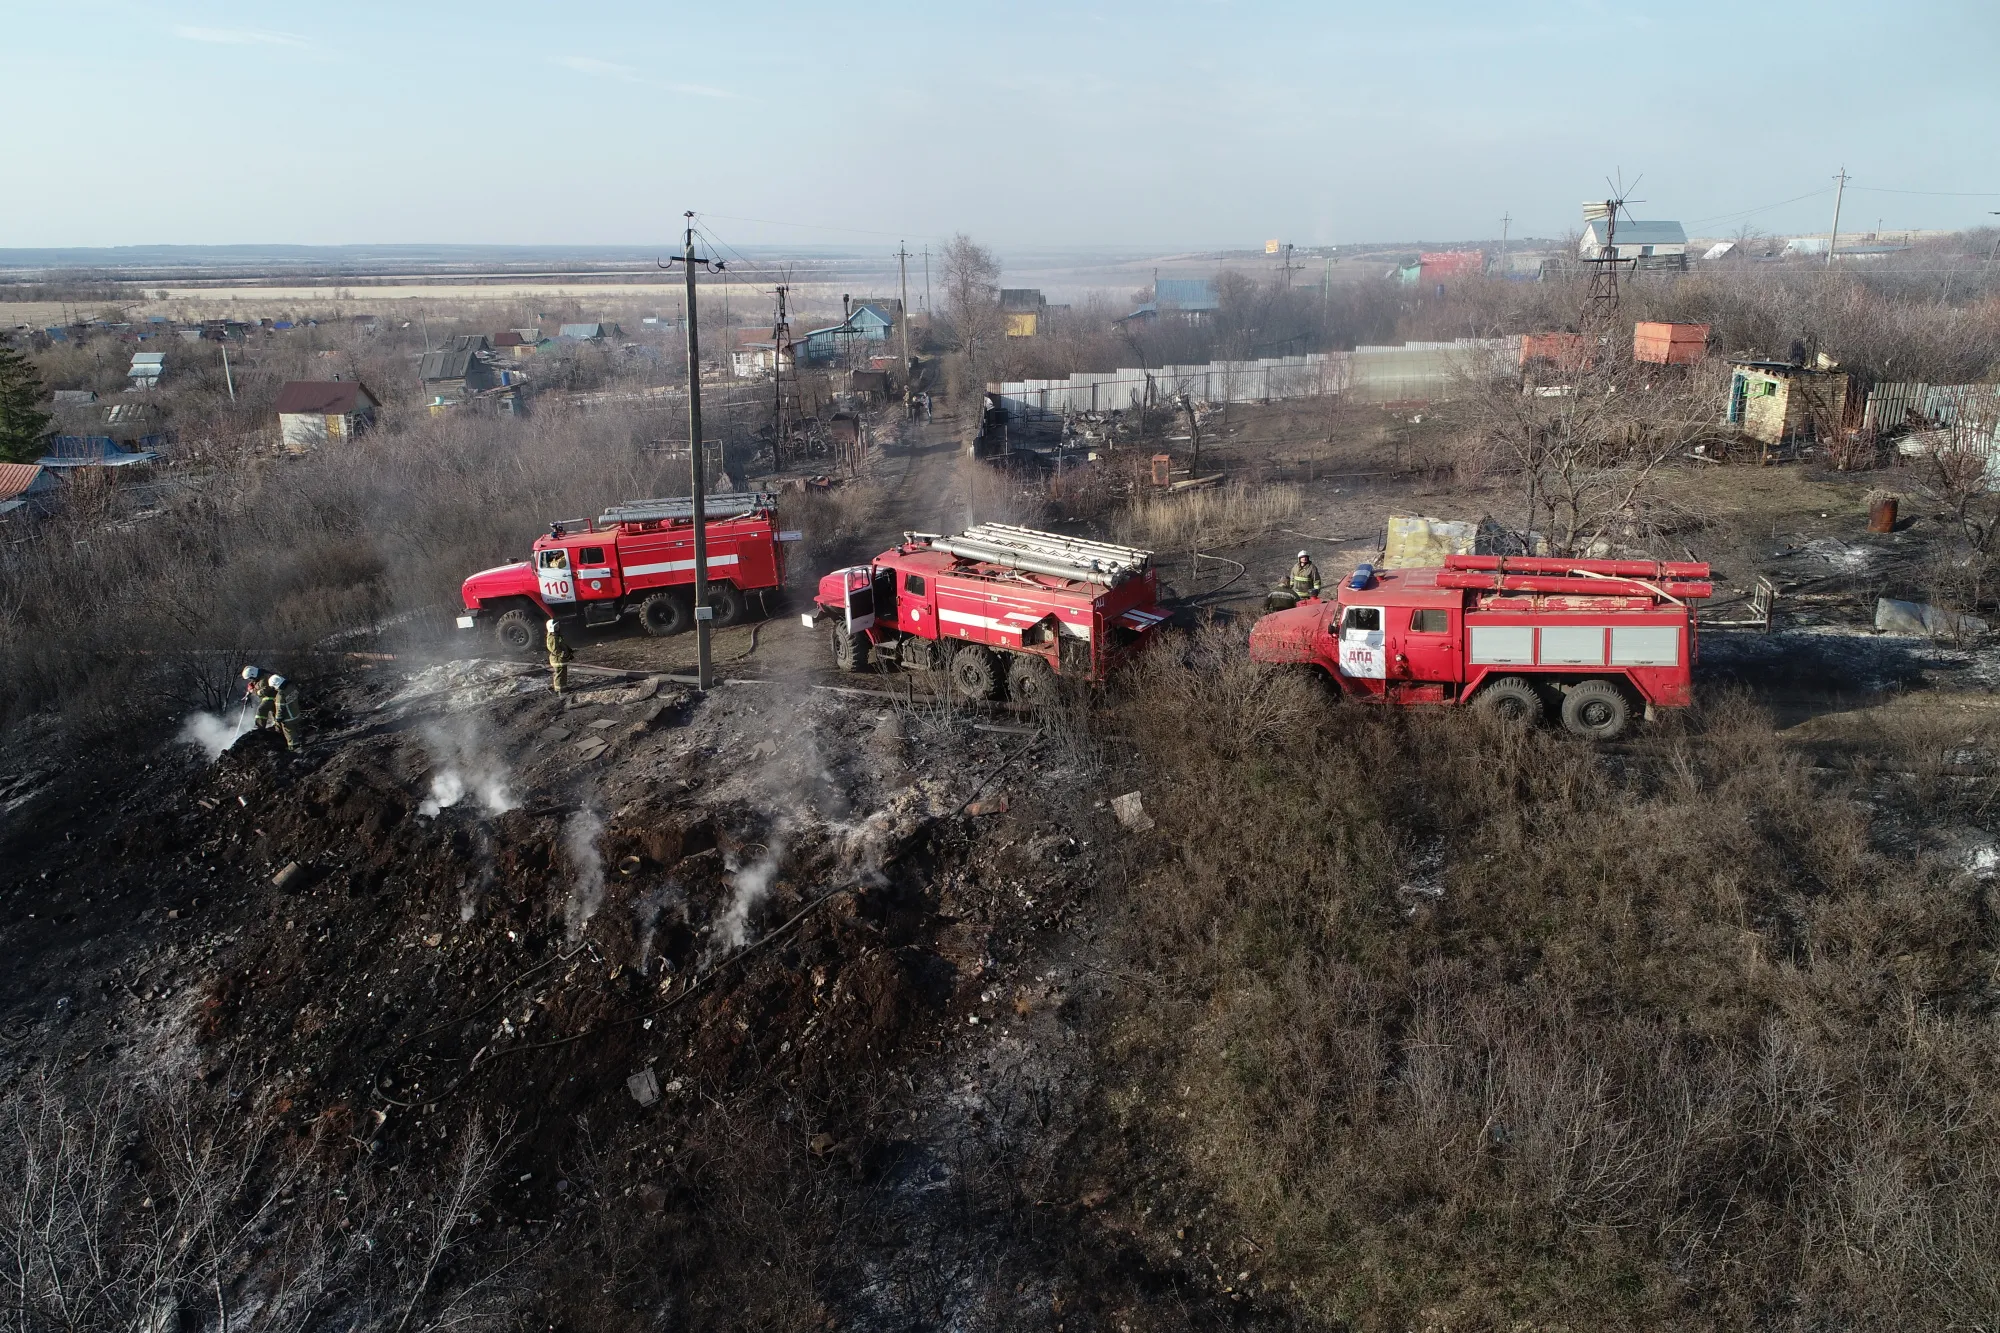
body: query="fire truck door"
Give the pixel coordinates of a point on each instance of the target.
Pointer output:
(860, 599)
(1426, 648)
(1361, 653)
(552, 573)
(595, 577)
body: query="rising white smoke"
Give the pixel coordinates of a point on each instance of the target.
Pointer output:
(751, 885)
(213, 732)
(586, 868)
(467, 766)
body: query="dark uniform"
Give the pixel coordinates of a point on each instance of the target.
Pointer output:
(559, 659)
(1305, 579)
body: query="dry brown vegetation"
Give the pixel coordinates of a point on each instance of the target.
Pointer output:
(1463, 1029)
(106, 613)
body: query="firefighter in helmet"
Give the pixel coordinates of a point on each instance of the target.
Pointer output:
(274, 711)
(1304, 579)
(560, 654)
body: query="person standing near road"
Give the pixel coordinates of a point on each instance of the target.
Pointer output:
(560, 655)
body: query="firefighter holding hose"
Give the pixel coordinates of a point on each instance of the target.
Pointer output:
(560, 655)
(267, 694)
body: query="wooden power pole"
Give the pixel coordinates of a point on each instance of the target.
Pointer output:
(704, 614)
(903, 319)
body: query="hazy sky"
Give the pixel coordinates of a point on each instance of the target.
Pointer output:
(1158, 124)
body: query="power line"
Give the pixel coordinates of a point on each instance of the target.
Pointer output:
(1761, 208)
(1945, 194)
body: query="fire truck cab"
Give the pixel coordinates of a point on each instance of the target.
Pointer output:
(995, 606)
(1591, 641)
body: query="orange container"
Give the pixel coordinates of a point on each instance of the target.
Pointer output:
(1669, 344)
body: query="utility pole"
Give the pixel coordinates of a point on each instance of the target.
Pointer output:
(903, 318)
(781, 351)
(1833, 240)
(927, 282)
(227, 378)
(704, 614)
(1506, 222)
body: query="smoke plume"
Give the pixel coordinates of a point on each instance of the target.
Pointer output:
(213, 732)
(467, 766)
(586, 867)
(752, 884)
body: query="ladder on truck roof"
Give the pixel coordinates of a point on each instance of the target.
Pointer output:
(1050, 553)
(1668, 580)
(730, 504)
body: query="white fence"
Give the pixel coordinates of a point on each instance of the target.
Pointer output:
(1408, 373)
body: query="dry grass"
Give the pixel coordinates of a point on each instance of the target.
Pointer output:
(105, 616)
(1465, 1029)
(1215, 516)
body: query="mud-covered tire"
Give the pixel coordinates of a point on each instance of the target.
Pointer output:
(974, 673)
(850, 651)
(1030, 681)
(1512, 701)
(1596, 710)
(518, 631)
(728, 604)
(666, 613)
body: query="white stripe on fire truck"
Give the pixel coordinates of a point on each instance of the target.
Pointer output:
(995, 622)
(670, 566)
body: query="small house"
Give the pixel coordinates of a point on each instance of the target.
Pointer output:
(24, 486)
(1777, 402)
(471, 342)
(147, 367)
(585, 333)
(1436, 269)
(513, 342)
(312, 412)
(453, 376)
(1193, 297)
(873, 321)
(1023, 307)
(1646, 245)
(71, 399)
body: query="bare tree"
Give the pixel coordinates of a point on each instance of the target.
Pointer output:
(1589, 454)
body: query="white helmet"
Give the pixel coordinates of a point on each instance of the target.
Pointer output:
(250, 673)
(1303, 556)
(552, 623)
(277, 682)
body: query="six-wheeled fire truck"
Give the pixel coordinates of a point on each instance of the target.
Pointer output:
(1588, 640)
(635, 558)
(995, 605)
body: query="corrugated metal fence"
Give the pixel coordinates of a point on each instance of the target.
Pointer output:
(1890, 405)
(1411, 372)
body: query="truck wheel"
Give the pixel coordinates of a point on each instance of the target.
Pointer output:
(850, 651)
(974, 673)
(728, 604)
(1596, 710)
(665, 613)
(1031, 682)
(1511, 700)
(517, 632)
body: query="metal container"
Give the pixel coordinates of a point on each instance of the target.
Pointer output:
(1882, 514)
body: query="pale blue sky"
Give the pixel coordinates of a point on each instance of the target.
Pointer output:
(1028, 124)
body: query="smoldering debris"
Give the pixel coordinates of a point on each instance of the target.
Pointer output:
(467, 766)
(751, 884)
(586, 868)
(213, 732)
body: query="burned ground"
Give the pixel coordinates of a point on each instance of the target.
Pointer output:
(1389, 1021)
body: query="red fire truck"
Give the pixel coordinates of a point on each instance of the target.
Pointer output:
(635, 558)
(997, 604)
(1589, 640)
